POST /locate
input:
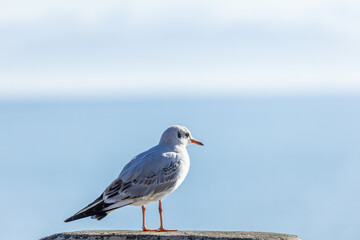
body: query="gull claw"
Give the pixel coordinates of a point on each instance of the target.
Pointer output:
(161, 229)
(145, 229)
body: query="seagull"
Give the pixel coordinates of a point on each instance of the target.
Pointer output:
(147, 178)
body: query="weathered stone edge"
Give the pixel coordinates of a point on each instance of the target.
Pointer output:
(100, 234)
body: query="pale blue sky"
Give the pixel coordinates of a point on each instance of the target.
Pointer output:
(139, 48)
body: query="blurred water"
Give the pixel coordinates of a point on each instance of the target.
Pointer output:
(282, 164)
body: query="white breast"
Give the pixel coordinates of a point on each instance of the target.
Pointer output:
(183, 171)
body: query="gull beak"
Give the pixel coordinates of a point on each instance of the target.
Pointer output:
(196, 142)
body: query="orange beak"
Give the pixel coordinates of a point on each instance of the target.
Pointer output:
(197, 142)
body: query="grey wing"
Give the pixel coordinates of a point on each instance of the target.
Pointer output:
(156, 173)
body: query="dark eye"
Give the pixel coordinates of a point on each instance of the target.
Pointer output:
(179, 135)
(187, 135)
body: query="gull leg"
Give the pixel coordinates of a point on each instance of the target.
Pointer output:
(162, 229)
(143, 213)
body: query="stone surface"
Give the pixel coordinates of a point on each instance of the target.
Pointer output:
(179, 235)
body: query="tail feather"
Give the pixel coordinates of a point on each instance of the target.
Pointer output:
(94, 209)
(100, 216)
(98, 209)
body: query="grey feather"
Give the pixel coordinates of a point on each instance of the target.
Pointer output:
(139, 178)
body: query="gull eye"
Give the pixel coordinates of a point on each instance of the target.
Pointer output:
(179, 135)
(187, 135)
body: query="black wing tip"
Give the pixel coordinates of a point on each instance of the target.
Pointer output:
(69, 219)
(89, 212)
(97, 216)
(78, 216)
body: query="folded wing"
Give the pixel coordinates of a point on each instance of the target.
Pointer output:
(147, 174)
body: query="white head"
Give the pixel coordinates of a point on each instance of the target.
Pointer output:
(178, 135)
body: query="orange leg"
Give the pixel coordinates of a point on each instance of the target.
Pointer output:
(143, 213)
(162, 229)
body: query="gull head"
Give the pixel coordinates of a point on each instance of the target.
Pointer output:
(178, 135)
